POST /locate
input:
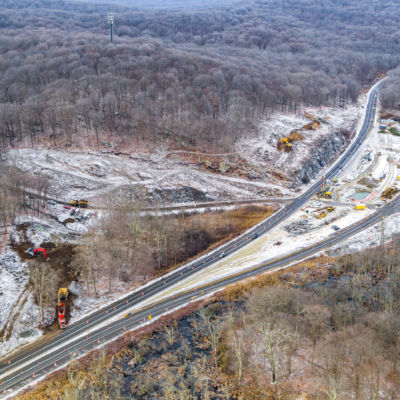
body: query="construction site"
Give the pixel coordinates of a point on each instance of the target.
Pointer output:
(85, 187)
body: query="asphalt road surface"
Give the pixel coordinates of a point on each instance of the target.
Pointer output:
(25, 366)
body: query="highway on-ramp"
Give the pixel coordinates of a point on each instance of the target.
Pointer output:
(19, 369)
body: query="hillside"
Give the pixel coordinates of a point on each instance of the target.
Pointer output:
(209, 141)
(182, 79)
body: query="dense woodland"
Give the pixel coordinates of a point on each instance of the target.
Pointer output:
(186, 78)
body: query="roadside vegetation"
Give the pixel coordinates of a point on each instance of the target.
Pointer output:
(325, 329)
(128, 247)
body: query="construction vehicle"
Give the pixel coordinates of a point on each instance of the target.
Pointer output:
(389, 192)
(286, 144)
(62, 298)
(79, 203)
(324, 193)
(360, 207)
(321, 215)
(34, 252)
(323, 211)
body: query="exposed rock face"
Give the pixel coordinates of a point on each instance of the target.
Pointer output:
(328, 148)
(185, 194)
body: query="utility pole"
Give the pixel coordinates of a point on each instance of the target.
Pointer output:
(110, 19)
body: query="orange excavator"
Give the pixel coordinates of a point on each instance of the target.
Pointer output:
(34, 252)
(62, 298)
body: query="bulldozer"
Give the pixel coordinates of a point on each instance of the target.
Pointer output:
(323, 211)
(62, 298)
(79, 203)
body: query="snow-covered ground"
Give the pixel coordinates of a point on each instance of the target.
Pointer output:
(19, 314)
(140, 175)
(18, 311)
(91, 176)
(263, 151)
(277, 243)
(374, 163)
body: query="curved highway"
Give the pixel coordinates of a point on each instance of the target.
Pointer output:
(97, 338)
(19, 369)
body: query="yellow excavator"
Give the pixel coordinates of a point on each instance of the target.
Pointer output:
(286, 142)
(324, 193)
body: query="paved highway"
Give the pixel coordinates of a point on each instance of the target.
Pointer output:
(100, 336)
(25, 369)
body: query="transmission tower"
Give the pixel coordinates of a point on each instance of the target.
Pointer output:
(110, 19)
(383, 233)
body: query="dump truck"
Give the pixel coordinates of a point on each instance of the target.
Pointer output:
(61, 307)
(360, 207)
(79, 203)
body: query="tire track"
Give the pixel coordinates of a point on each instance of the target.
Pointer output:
(13, 315)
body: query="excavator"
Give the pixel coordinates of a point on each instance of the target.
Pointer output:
(34, 252)
(325, 193)
(285, 142)
(62, 298)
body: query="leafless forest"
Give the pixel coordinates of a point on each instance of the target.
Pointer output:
(324, 330)
(190, 79)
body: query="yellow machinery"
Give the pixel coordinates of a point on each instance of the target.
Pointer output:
(360, 207)
(286, 142)
(321, 215)
(324, 193)
(389, 192)
(62, 294)
(324, 211)
(79, 203)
